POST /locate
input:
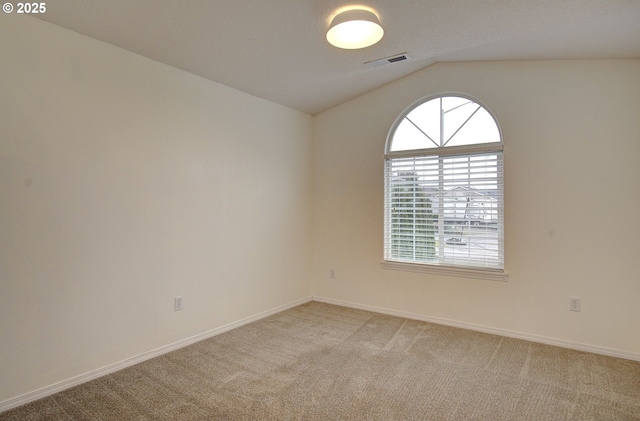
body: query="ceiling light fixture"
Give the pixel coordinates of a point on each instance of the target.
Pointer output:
(355, 28)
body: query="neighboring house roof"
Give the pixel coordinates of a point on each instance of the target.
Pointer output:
(462, 191)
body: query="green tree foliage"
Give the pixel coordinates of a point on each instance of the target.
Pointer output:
(413, 225)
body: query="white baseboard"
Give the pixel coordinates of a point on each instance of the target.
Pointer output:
(485, 329)
(112, 368)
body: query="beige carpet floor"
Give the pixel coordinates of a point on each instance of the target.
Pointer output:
(324, 362)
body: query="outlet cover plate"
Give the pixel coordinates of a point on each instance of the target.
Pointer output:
(574, 304)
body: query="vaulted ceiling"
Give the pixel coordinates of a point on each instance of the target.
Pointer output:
(276, 49)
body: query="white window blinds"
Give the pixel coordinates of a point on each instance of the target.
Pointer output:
(445, 210)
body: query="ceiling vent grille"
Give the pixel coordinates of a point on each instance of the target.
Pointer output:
(389, 60)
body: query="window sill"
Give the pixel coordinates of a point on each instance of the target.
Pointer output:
(486, 274)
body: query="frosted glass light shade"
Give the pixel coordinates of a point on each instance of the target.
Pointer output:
(355, 29)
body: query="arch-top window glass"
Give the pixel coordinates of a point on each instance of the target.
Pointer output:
(444, 186)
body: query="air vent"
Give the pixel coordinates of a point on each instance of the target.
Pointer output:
(389, 60)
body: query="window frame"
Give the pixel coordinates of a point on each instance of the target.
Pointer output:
(483, 148)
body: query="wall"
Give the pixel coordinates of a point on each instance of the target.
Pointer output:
(124, 183)
(572, 172)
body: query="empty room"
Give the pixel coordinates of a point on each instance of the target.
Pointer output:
(244, 210)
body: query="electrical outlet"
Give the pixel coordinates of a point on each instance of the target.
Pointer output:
(177, 304)
(332, 273)
(574, 304)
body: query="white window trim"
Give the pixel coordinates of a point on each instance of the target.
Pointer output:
(444, 270)
(451, 150)
(486, 274)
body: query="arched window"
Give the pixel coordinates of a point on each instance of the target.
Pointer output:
(444, 206)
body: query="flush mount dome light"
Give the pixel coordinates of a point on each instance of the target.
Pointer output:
(356, 28)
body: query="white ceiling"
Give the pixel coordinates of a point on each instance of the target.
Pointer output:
(276, 49)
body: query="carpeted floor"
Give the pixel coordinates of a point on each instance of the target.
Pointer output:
(324, 362)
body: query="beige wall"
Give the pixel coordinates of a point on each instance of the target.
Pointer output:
(572, 170)
(124, 183)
